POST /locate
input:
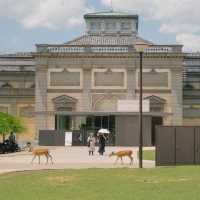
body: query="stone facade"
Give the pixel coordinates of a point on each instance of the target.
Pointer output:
(88, 96)
(191, 89)
(17, 90)
(96, 70)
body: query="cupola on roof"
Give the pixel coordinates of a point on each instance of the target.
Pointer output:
(110, 14)
(111, 22)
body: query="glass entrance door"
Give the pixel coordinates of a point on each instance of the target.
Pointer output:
(106, 122)
(63, 122)
(86, 125)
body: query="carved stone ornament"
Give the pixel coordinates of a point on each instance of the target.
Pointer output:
(64, 103)
(156, 103)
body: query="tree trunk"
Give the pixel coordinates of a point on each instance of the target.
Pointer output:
(3, 137)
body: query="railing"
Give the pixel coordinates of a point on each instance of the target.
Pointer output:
(83, 49)
(159, 49)
(17, 54)
(105, 49)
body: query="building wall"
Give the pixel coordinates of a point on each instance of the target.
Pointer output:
(17, 92)
(40, 94)
(89, 98)
(191, 89)
(23, 108)
(92, 98)
(127, 131)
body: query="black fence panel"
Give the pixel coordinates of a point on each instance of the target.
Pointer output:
(185, 145)
(177, 145)
(165, 145)
(77, 138)
(51, 138)
(197, 145)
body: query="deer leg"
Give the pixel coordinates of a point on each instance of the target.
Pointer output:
(47, 157)
(51, 158)
(116, 160)
(131, 158)
(33, 159)
(122, 161)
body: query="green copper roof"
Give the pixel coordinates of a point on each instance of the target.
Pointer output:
(110, 14)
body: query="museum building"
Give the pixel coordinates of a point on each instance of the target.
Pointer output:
(88, 83)
(92, 82)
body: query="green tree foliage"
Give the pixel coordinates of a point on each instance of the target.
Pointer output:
(9, 123)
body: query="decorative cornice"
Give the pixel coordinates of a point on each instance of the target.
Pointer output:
(95, 91)
(64, 90)
(154, 91)
(109, 55)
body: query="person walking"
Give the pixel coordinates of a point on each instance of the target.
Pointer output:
(91, 144)
(102, 143)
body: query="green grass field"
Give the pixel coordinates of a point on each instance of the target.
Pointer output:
(177, 183)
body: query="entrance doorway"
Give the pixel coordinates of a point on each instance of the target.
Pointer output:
(82, 126)
(155, 122)
(63, 122)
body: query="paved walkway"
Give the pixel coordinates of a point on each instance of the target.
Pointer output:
(67, 158)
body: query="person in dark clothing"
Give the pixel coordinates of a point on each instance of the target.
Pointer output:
(12, 138)
(13, 146)
(102, 143)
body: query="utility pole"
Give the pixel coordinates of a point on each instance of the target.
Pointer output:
(140, 115)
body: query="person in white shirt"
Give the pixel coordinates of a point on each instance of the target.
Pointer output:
(91, 144)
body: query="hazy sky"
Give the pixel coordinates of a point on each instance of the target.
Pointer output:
(27, 22)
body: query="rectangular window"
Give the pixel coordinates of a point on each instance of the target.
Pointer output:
(110, 26)
(109, 79)
(65, 78)
(125, 26)
(26, 111)
(154, 79)
(95, 25)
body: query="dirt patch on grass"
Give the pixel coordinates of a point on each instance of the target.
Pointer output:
(148, 181)
(179, 180)
(60, 180)
(158, 181)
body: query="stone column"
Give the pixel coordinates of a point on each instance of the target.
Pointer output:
(86, 100)
(177, 96)
(131, 83)
(41, 96)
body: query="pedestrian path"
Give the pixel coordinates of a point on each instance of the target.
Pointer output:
(68, 158)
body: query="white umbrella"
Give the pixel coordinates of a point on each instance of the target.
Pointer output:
(103, 130)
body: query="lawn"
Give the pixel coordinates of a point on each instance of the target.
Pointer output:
(177, 183)
(149, 155)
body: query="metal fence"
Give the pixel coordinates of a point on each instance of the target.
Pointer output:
(51, 138)
(177, 145)
(57, 138)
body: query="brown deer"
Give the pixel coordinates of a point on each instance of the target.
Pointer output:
(40, 152)
(121, 154)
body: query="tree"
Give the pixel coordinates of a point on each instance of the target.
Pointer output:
(9, 123)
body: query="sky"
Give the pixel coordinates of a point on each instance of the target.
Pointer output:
(25, 23)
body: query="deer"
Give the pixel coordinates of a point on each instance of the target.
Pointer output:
(121, 154)
(40, 152)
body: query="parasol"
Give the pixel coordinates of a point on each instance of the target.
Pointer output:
(104, 131)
